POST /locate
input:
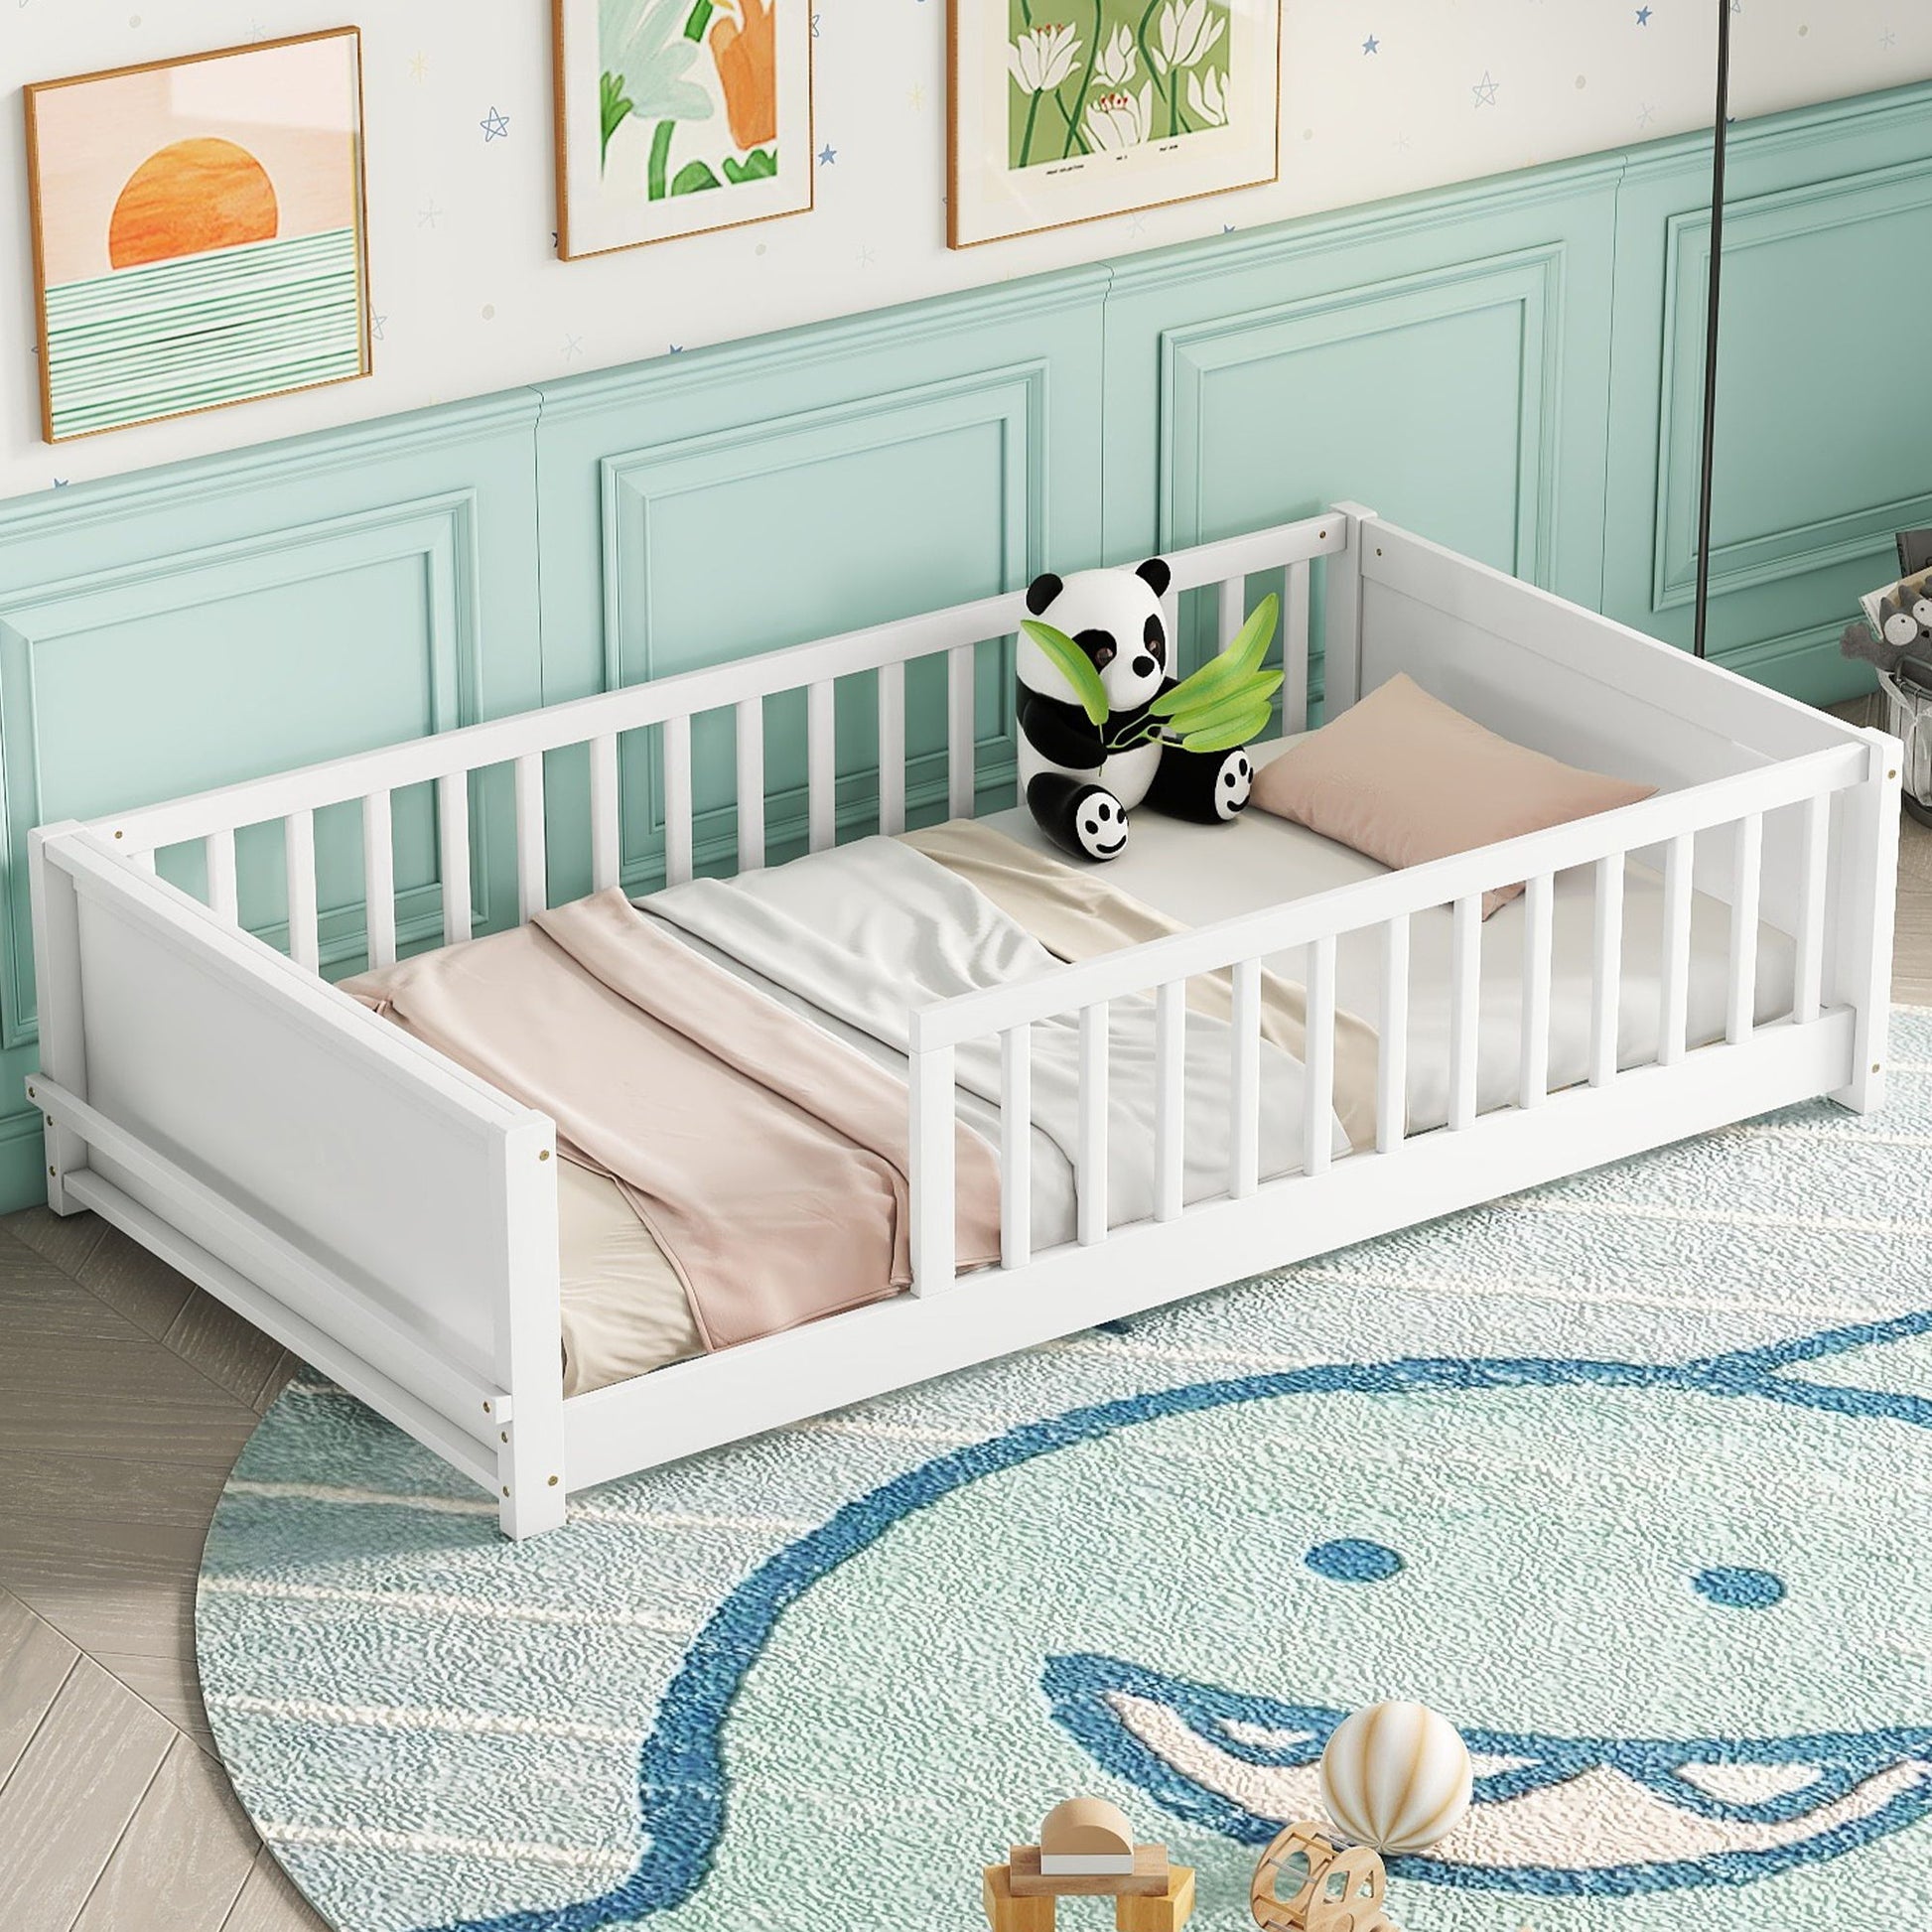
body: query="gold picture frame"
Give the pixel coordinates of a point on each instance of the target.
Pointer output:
(1120, 106)
(164, 193)
(724, 135)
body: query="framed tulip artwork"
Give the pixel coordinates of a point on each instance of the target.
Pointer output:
(1070, 110)
(675, 117)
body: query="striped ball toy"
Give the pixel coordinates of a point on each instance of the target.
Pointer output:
(1396, 1776)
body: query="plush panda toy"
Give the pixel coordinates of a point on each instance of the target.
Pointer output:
(1082, 778)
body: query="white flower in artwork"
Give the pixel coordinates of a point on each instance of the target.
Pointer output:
(1207, 98)
(1120, 120)
(1187, 33)
(1115, 67)
(1042, 58)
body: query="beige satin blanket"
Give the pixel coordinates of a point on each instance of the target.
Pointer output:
(767, 1159)
(1076, 913)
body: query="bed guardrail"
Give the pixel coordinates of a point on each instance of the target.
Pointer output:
(449, 761)
(1734, 807)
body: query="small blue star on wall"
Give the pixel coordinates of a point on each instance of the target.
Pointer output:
(495, 127)
(827, 154)
(1371, 44)
(1486, 91)
(1643, 15)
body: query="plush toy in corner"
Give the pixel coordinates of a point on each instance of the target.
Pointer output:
(1903, 644)
(1102, 724)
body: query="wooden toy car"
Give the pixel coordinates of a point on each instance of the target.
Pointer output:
(1337, 1892)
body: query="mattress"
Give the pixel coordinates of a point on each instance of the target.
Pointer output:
(624, 1312)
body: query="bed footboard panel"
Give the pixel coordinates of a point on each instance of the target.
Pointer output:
(340, 1185)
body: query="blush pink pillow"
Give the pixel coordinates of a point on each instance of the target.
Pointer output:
(1403, 778)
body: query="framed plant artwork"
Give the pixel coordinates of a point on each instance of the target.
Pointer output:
(675, 117)
(199, 231)
(1107, 106)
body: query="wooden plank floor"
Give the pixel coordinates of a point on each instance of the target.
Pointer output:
(125, 1395)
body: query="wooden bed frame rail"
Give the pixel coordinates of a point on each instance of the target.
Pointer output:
(393, 1220)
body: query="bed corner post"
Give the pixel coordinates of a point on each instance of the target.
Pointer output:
(528, 1324)
(1341, 639)
(1866, 865)
(57, 975)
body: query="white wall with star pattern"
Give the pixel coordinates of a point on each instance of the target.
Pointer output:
(1379, 97)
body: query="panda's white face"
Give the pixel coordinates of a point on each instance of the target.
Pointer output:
(1115, 616)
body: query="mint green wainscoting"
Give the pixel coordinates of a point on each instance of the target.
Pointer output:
(1512, 366)
(706, 508)
(1827, 329)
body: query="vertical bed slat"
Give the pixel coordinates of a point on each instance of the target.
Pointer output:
(1015, 1146)
(1169, 1096)
(1319, 1059)
(1230, 598)
(1244, 1081)
(1090, 1179)
(929, 1077)
(379, 878)
(1814, 829)
(1538, 927)
(299, 849)
(677, 800)
(1674, 991)
(1392, 1059)
(453, 850)
(1465, 1006)
(532, 851)
(224, 898)
(146, 860)
(1746, 872)
(891, 749)
(961, 780)
(606, 830)
(821, 764)
(751, 783)
(1607, 971)
(1295, 650)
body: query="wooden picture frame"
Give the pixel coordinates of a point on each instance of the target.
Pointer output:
(744, 149)
(163, 192)
(1120, 107)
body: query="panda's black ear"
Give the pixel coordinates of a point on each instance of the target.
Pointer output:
(1156, 575)
(1043, 591)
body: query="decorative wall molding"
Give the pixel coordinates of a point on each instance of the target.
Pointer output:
(637, 485)
(439, 532)
(1778, 220)
(1529, 281)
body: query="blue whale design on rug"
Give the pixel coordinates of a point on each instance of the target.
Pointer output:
(1559, 1813)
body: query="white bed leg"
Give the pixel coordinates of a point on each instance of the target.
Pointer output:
(57, 972)
(529, 1324)
(1865, 861)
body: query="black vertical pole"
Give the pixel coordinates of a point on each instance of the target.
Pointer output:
(1711, 325)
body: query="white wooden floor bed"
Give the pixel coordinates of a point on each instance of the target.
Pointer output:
(393, 1220)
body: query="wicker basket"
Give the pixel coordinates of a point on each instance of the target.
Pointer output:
(1910, 708)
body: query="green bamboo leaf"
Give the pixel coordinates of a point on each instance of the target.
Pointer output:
(1221, 676)
(1253, 694)
(1073, 664)
(1228, 736)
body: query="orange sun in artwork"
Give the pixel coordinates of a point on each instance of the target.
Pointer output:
(189, 198)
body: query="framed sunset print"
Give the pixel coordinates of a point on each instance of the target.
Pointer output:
(1110, 105)
(199, 231)
(675, 117)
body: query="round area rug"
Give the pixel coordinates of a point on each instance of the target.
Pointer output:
(1629, 1478)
